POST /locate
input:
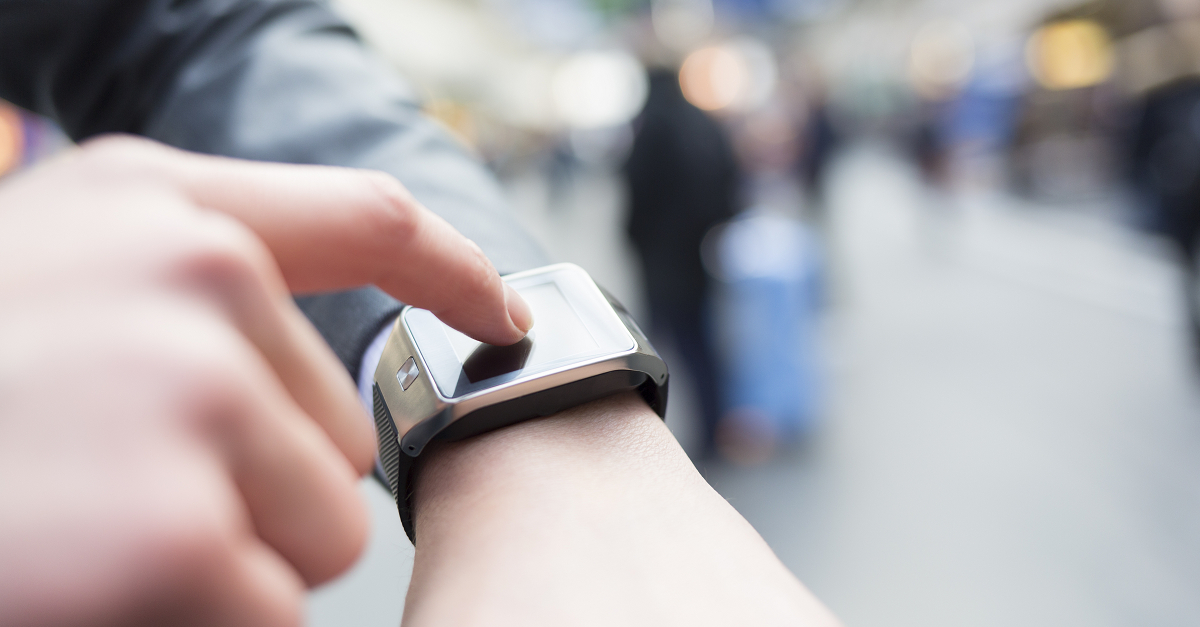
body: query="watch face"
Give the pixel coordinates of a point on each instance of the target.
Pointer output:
(573, 324)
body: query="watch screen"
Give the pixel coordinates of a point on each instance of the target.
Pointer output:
(572, 322)
(561, 335)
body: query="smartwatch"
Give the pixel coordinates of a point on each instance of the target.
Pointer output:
(433, 382)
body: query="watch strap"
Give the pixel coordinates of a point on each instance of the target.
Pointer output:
(642, 371)
(396, 465)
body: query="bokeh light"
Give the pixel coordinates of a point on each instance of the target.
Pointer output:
(598, 89)
(12, 139)
(738, 75)
(1070, 54)
(941, 59)
(711, 78)
(456, 117)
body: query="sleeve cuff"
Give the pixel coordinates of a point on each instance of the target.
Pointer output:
(370, 361)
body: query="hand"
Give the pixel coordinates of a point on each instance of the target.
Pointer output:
(591, 517)
(177, 444)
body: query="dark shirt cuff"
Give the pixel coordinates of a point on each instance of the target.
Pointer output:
(350, 320)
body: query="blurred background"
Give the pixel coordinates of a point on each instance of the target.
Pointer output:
(925, 273)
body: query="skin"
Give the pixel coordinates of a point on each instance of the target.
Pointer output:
(178, 445)
(594, 516)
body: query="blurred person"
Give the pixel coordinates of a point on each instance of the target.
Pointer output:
(817, 151)
(683, 177)
(769, 303)
(177, 446)
(768, 264)
(768, 142)
(1165, 166)
(929, 146)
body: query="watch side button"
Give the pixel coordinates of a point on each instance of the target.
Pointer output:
(408, 373)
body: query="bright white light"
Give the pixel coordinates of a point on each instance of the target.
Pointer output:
(598, 89)
(681, 24)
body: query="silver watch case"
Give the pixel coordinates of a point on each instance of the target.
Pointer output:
(408, 419)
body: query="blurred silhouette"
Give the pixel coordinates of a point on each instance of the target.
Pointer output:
(1165, 164)
(770, 267)
(683, 177)
(929, 147)
(819, 145)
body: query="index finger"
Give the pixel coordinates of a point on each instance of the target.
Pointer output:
(337, 228)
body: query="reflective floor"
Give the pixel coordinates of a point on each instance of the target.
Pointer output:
(1012, 430)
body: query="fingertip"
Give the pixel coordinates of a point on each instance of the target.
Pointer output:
(518, 310)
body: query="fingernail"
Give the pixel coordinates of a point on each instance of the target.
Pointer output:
(518, 309)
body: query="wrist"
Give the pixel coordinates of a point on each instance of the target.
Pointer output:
(520, 499)
(573, 464)
(540, 521)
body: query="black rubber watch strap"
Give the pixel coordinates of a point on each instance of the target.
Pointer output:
(396, 465)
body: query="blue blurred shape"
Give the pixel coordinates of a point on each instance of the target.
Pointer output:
(770, 268)
(767, 10)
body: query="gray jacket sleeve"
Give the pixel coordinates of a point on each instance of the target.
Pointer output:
(274, 80)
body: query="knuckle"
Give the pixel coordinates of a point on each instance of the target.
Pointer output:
(392, 208)
(188, 545)
(193, 549)
(221, 263)
(219, 398)
(123, 152)
(221, 253)
(206, 372)
(483, 275)
(216, 372)
(346, 546)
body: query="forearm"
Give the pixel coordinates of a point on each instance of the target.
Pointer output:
(290, 81)
(536, 470)
(592, 516)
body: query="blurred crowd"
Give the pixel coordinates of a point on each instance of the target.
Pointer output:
(722, 117)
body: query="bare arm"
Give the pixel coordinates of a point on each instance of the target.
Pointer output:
(591, 517)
